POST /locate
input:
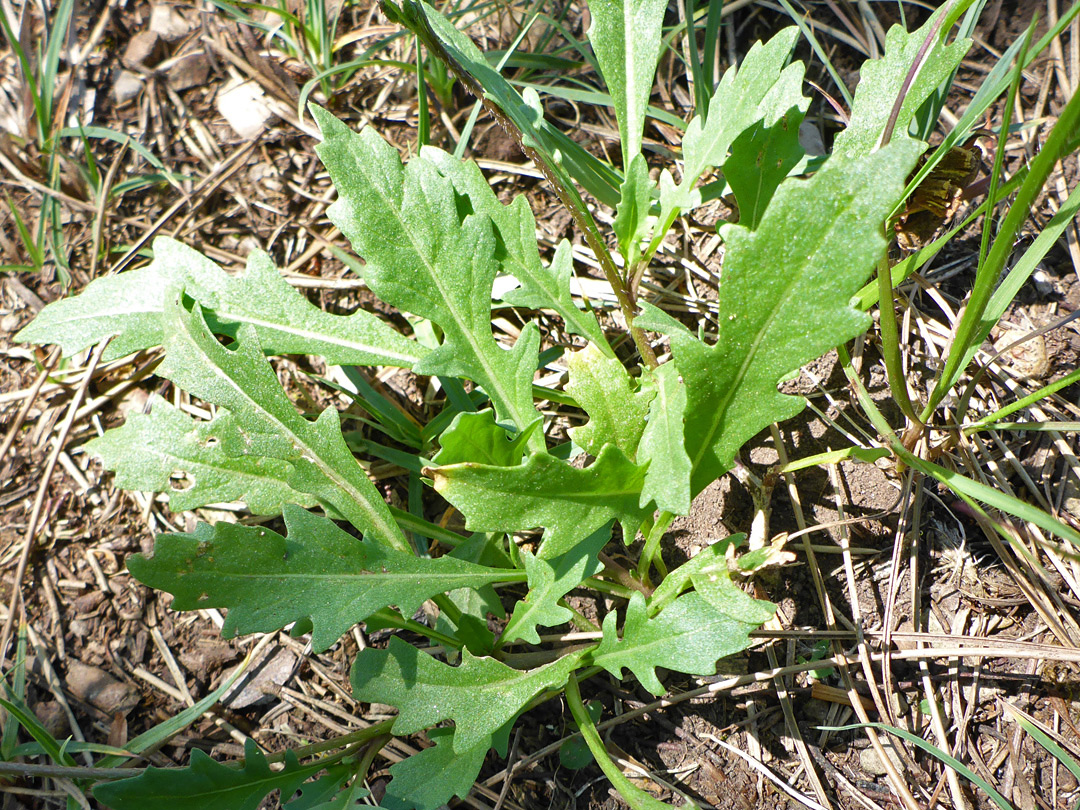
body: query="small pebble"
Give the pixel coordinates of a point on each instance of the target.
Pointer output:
(126, 87)
(871, 763)
(166, 22)
(244, 107)
(190, 70)
(143, 50)
(100, 689)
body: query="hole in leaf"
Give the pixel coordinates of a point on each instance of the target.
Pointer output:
(180, 481)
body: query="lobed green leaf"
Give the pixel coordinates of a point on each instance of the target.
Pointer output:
(475, 437)
(431, 778)
(318, 572)
(516, 248)
(423, 257)
(206, 784)
(882, 82)
(761, 88)
(689, 635)
(549, 581)
(616, 408)
(783, 300)
(712, 581)
(267, 424)
(570, 503)
(149, 450)
(480, 695)
(130, 307)
(326, 792)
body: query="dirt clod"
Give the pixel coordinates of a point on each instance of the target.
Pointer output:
(100, 689)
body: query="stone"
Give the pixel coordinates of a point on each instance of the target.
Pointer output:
(143, 50)
(261, 680)
(810, 140)
(126, 87)
(168, 23)
(52, 715)
(187, 71)
(206, 656)
(100, 689)
(871, 763)
(244, 107)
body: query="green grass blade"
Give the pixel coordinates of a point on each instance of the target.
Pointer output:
(702, 92)
(808, 33)
(989, 422)
(968, 329)
(1040, 734)
(105, 133)
(1022, 269)
(935, 752)
(56, 36)
(971, 492)
(41, 113)
(32, 248)
(166, 730)
(18, 693)
(26, 718)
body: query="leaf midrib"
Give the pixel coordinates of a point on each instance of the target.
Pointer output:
(313, 335)
(735, 387)
(494, 380)
(367, 576)
(390, 532)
